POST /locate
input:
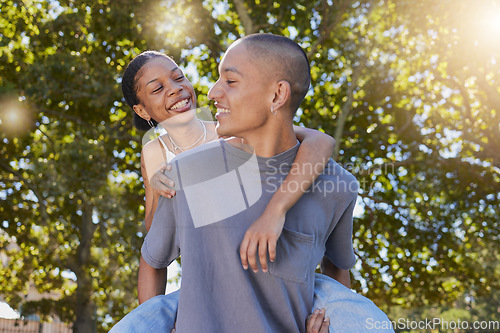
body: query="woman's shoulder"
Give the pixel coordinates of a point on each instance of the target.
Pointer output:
(154, 146)
(153, 153)
(151, 147)
(152, 156)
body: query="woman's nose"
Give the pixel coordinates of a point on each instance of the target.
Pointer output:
(175, 89)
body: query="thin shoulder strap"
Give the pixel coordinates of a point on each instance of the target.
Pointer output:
(164, 147)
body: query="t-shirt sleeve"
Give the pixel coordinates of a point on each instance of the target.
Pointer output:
(339, 247)
(160, 246)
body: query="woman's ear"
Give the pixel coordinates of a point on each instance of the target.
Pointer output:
(282, 94)
(141, 112)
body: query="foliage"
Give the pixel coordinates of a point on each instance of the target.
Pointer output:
(70, 181)
(409, 89)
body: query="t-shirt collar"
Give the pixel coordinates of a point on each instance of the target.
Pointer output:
(288, 156)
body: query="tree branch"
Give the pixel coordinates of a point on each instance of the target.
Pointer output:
(345, 110)
(393, 164)
(325, 28)
(43, 208)
(246, 20)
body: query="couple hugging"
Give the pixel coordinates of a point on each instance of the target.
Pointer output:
(250, 219)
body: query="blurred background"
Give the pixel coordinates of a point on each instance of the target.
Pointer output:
(409, 89)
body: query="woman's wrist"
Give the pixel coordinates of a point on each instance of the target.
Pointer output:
(277, 206)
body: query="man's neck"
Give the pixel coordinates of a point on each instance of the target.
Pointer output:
(269, 141)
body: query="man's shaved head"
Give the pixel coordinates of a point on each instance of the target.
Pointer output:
(283, 58)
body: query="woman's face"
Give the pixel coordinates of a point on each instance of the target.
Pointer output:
(163, 90)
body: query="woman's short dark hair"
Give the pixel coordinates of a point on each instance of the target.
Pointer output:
(129, 85)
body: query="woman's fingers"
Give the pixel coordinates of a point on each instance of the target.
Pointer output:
(162, 183)
(317, 323)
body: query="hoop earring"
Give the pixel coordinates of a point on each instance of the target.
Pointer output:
(273, 111)
(155, 129)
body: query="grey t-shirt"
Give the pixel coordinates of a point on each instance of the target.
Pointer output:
(221, 191)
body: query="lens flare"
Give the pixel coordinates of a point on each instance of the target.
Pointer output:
(491, 23)
(494, 23)
(487, 22)
(16, 118)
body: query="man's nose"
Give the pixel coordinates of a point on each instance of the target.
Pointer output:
(214, 92)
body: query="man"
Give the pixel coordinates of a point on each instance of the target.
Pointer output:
(224, 186)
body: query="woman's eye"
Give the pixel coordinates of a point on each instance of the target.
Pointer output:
(230, 81)
(180, 78)
(158, 89)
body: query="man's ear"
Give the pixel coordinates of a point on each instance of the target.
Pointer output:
(282, 94)
(141, 112)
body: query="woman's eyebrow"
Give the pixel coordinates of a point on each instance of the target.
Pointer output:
(171, 71)
(153, 80)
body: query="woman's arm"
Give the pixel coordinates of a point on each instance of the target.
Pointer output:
(313, 155)
(151, 195)
(153, 164)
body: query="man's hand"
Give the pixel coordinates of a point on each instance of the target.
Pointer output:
(262, 235)
(317, 323)
(162, 183)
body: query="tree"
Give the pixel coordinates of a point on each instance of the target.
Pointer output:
(413, 110)
(410, 90)
(70, 185)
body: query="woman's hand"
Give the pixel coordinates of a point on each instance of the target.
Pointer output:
(260, 238)
(162, 183)
(317, 322)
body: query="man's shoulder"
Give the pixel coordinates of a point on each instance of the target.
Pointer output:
(339, 178)
(332, 168)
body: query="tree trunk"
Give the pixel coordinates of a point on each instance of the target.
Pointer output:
(84, 309)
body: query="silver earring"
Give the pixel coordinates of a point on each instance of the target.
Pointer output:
(153, 126)
(273, 111)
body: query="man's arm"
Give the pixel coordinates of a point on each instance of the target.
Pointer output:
(313, 155)
(339, 274)
(151, 281)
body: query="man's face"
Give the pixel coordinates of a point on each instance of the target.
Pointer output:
(243, 94)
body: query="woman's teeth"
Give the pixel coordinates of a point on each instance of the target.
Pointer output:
(223, 110)
(179, 104)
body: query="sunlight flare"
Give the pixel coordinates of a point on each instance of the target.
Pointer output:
(15, 117)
